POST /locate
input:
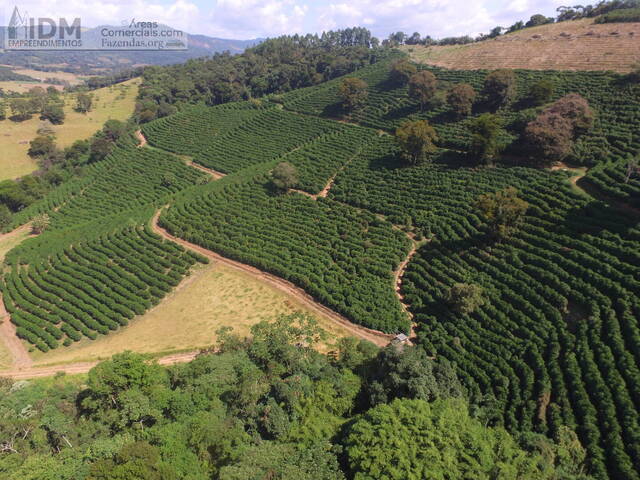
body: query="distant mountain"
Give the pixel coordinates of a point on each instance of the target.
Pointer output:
(103, 62)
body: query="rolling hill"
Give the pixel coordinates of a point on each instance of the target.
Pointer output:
(572, 45)
(105, 62)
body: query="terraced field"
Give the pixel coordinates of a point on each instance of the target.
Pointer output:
(616, 103)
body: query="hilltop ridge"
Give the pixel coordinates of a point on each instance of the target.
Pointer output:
(572, 45)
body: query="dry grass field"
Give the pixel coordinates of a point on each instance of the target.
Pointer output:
(5, 357)
(213, 296)
(575, 45)
(21, 87)
(115, 102)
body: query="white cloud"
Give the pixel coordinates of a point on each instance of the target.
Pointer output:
(182, 14)
(260, 18)
(432, 17)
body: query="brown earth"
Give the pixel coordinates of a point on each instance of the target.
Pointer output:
(575, 45)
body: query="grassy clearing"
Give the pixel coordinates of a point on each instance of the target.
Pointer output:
(22, 87)
(115, 102)
(8, 242)
(212, 297)
(5, 357)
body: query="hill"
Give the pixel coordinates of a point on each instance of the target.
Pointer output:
(554, 343)
(572, 45)
(107, 62)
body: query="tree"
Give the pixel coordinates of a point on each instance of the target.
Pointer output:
(541, 92)
(20, 109)
(409, 373)
(353, 92)
(460, 98)
(84, 102)
(39, 224)
(500, 88)
(114, 129)
(401, 72)
(549, 138)
(135, 461)
(5, 217)
(3, 109)
(576, 109)
(284, 176)
(486, 131)
(275, 461)
(537, 20)
(503, 211)
(416, 139)
(54, 113)
(99, 149)
(37, 99)
(41, 146)
(465, 298)
(422, 87)
(413, 439)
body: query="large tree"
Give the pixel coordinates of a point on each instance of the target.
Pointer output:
(486, 143)
(503, 210)
(422, 87)
(460, 98)
(284, 176)
(500, 88)
(353, 93)
(417, 141)
(84, 102)
(54, 113)
(549, 137)
(401, 72)
(541, 92)
(465, 298)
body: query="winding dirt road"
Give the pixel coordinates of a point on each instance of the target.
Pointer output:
(214, 173)
(23, 367)
(379, 338)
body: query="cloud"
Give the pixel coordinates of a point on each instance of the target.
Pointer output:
(182, 14)
(438, 18)
(261, 18)
(256, 18)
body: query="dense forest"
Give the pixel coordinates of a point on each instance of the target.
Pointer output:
(268, 407)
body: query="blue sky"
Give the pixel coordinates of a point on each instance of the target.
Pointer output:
(244, 19)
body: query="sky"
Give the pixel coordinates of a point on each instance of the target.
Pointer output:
(247, 19)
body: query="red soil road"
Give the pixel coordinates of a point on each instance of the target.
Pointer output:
(379, 338)
(141, 139)
(8, 336)
(19, 353)
(214, 173)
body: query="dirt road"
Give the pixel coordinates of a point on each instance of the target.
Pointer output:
(374, 336)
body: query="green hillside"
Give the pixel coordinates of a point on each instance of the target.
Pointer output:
(555, 341)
